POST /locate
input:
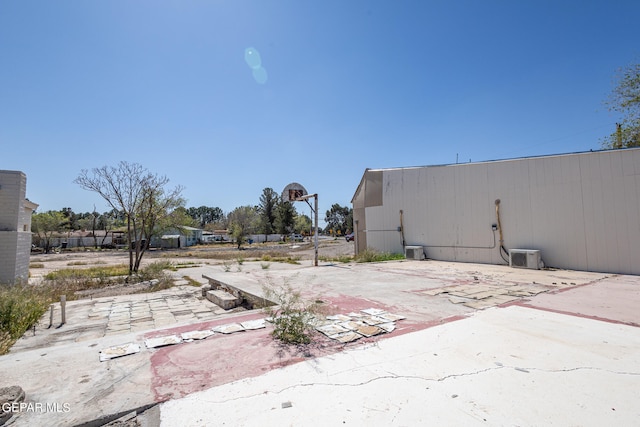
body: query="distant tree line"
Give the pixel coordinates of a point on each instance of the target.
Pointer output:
(142, 207)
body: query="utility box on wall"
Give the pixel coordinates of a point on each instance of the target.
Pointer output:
(525, 258)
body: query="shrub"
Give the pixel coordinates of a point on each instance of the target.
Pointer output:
(292, 316)
(371, 255)
(21, 306)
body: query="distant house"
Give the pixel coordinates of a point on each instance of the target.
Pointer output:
(215, 236)
(178, 237)
(15, 227)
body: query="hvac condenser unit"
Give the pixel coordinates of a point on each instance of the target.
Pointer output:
(414, 252)
(525, 258)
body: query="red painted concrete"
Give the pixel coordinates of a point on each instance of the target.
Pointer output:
(179, 370)
(614, 299)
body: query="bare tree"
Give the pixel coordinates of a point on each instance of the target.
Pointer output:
(139, 195)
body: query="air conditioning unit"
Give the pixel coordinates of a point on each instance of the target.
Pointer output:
(414, 252)
(525, 258)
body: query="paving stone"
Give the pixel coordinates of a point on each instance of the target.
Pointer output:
(253, 324)
(483, 295)
(369, 330)
(119, 351)
(373, 320)
(162, 341)
(434, 292)
(501, 299)
(228, 328)
(480, 304)
(196, 335)
(351, 325)
(373, 311)
(331, 329)
(392, 317)
(387, 327)
(180, 312)
(346, 337)
(340, 317)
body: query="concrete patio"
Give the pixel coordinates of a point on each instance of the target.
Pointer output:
(480, 344)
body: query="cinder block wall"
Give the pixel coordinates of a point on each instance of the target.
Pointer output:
(12, 192)
(15, 241)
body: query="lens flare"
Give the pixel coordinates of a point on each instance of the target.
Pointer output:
(252, 58)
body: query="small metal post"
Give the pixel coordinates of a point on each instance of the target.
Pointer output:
(63, 304)
(51, 316)
(315, 259)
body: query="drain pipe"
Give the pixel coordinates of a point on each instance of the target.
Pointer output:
(502, 248)
(402, 230)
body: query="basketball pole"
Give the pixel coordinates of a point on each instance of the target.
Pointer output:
(315, 211)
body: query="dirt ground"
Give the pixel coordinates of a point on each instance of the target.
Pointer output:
(217, 254)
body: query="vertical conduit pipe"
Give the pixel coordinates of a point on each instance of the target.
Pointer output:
(402, 230)
(501, 248)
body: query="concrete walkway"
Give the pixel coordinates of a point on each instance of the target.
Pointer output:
(479, 342)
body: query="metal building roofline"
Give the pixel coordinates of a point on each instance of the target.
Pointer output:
(502, 160)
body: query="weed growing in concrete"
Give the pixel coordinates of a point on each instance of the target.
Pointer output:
(265, 265)
(371, 255)
(344, 259)
(21, 306)
(282, 258)
(226, 266)
(192, 282)
(292, 316)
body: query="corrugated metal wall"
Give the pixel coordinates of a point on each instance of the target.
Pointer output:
(581, 210)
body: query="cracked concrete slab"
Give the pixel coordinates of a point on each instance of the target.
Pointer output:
(487, 369)
(498, 355)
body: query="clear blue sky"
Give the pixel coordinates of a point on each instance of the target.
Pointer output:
(336, 87)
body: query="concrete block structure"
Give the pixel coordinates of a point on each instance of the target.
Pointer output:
(581, 210)
(15, 227)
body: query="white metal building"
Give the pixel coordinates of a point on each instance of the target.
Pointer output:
(581, 211)
(15, 227)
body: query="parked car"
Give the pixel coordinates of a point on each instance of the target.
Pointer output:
(350, 237)
(296, 238)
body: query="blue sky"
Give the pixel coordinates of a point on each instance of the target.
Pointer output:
(327, 89)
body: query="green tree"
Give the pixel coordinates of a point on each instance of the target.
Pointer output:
(46, 224)
(303, 224)
(267, 211)
(339, 219)
(242, 222)
(71, 219)
(285, 217)
(625, 100)
(205, 215)
(139, 195)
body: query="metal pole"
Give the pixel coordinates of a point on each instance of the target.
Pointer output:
(316, 235)
(63, 304)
